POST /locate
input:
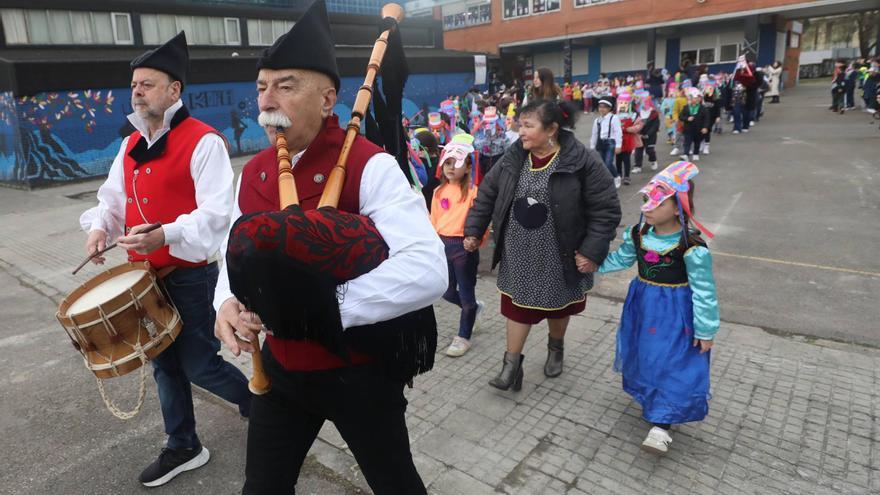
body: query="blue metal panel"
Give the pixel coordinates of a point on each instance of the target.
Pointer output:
(594, 63)
(766, 44)
(673, 54)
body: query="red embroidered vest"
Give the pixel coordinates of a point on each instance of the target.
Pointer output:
(162, 189)
(259, 192)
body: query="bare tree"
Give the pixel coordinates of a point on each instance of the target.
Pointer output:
(866, 23)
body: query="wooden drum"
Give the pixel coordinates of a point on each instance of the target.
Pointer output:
(119, 319)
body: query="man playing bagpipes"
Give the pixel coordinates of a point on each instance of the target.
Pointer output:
(343, 292)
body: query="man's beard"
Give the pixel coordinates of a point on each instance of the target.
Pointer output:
(146, 112)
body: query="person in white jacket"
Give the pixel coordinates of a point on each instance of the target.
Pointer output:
(607, 137)
(774, 72)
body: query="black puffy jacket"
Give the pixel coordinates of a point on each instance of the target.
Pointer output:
(584, 203)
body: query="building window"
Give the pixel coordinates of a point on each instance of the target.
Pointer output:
(689, 55)
(542, 6)
(587, 3)
(233, 33)
(66, 27)
(200, 30)
(729, 53)
(706, 56)
(264, 32)
(122, 29)
(515, 8)
(474, 15)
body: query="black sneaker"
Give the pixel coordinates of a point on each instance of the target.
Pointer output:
(172, 462)
(626, 181)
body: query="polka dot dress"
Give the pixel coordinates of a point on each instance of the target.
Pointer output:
(531, 270)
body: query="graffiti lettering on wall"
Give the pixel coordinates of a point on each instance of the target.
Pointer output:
(208, 99)
(62, 136)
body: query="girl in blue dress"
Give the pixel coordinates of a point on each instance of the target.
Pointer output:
(670, 316)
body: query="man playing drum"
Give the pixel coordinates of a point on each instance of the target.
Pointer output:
(175, 170)
(298, 82)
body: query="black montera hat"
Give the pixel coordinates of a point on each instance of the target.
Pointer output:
(308, 45)
(171, 58)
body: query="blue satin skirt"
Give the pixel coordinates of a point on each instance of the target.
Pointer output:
(661, 368)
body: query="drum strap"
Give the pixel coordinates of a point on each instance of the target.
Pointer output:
(114, 409)
(164, 272)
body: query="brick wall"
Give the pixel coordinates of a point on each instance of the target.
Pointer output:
(486, 38)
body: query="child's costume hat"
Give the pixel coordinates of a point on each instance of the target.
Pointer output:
(458, 148)
(673, 181)
(435, 121)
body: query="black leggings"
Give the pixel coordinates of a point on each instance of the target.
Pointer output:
(640, 154)
(623, 164)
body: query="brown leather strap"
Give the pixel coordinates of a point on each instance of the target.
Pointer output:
(164, 272)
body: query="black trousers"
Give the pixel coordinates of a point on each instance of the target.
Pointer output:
(640, 154)
(364, 404)
(623, 164)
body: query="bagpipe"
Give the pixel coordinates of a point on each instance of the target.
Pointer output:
(290, 266)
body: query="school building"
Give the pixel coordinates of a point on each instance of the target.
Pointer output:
(578, 39)
(64, 72)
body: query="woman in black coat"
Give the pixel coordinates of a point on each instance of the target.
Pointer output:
(555, 210)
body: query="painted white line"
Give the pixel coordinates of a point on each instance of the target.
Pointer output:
(719, 225)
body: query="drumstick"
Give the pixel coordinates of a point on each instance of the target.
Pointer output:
(149, 228)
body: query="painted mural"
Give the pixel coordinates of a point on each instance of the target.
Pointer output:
(51, 138)
(8, 132)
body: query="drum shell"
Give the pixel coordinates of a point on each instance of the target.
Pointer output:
(108, 335)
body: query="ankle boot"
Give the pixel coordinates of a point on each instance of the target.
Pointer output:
(511, 372)
(553, 366)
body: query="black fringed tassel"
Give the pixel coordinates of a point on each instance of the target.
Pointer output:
(405, 345)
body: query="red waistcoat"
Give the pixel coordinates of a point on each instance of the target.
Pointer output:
(259, 192)
(162, 189)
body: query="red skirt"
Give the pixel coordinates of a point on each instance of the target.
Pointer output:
(530, 316)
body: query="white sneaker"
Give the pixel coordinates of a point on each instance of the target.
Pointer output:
(752, 123)
(458, 347)
(735, 132)
(637, 170)
(674, 151)
(617, 182)
(695, 158)
(745, 130)
(683, 157)
(653, 165)
(705, 149)
(657, 441)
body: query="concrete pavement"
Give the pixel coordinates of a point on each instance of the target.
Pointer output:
(794, 204)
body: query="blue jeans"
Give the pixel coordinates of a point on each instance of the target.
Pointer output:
(738, 117)
(462, 282)
(192, 358)
(606, 151)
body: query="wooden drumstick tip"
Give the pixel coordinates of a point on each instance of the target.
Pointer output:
(392, 10)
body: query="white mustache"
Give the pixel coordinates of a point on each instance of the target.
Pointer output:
(274, 119)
